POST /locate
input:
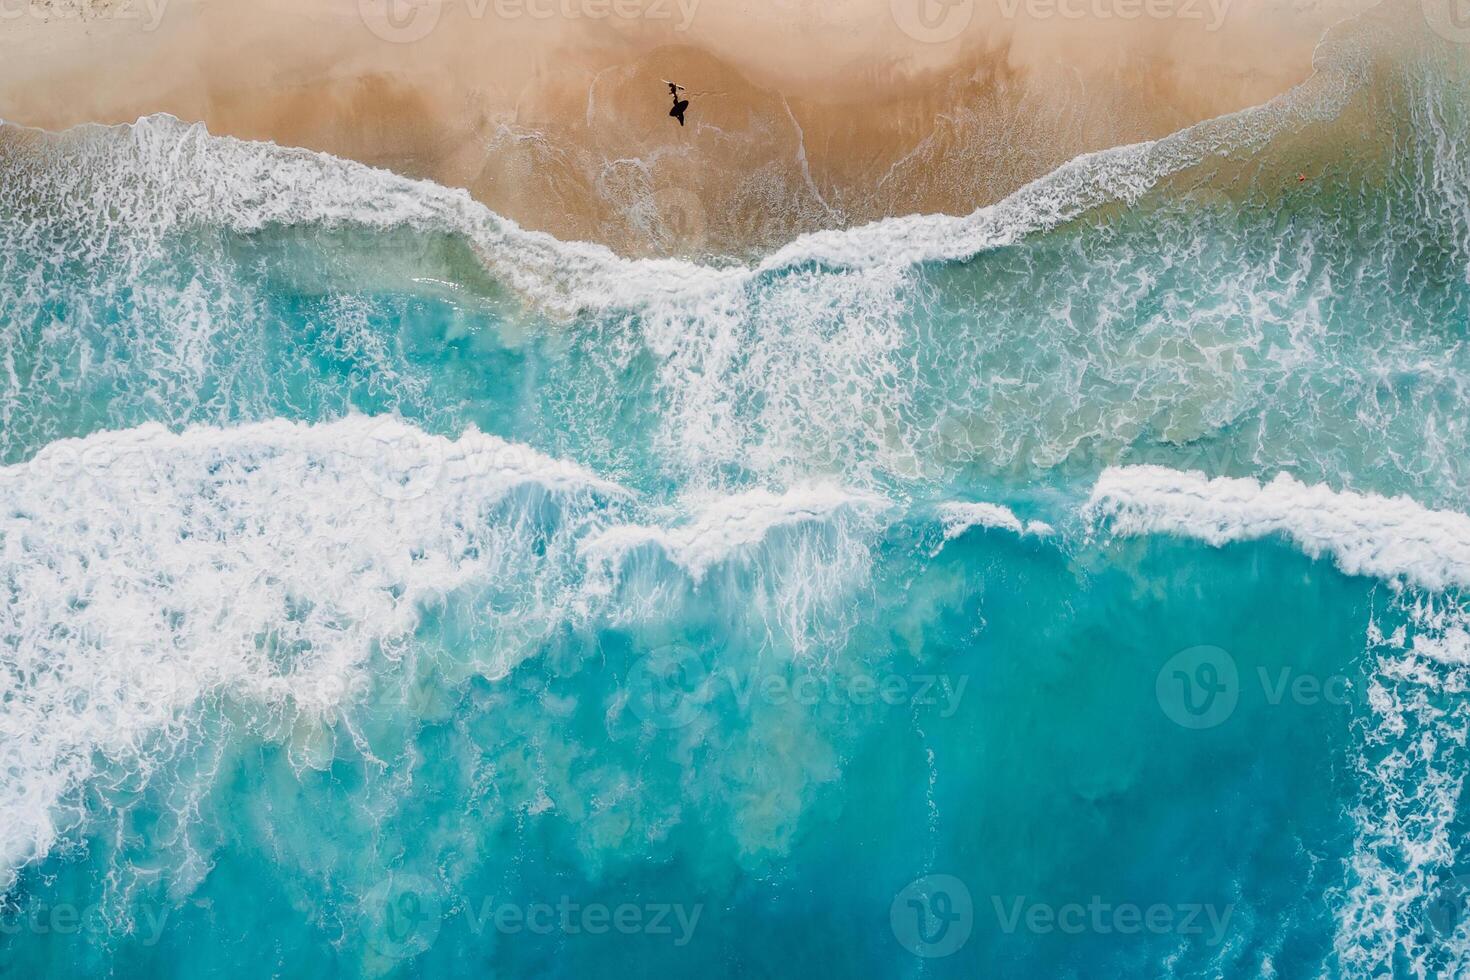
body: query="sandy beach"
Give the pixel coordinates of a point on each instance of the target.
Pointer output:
(804, 115)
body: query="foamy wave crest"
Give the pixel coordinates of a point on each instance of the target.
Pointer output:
(1122, 173)
(160, 175)
(1392, 538)
(146, 573)
(957, 517)
(794, 557)
(728, 524)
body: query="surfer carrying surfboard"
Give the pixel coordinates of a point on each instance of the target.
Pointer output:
(679, 104)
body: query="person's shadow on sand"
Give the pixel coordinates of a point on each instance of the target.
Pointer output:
(679, 104)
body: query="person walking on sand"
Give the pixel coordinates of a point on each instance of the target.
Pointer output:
(679, 104)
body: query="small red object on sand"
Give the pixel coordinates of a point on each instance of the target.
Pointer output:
(1301, 178)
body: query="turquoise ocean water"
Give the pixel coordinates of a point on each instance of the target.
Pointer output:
(1074, 589)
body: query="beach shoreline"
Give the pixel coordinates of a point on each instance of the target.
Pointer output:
(553, 112)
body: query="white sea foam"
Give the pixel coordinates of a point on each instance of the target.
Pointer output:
(1401, 910)
(957, 517)
(794, 557)
(724, 525)
(144, 572)
(1392, 538)
(149, 575)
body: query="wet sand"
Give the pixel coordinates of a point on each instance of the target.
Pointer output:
(804, 114)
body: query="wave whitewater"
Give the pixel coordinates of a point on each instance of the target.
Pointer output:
(149, 573)
(1366, 534)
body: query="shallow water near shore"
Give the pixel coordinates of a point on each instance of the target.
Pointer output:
(1071, 589)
